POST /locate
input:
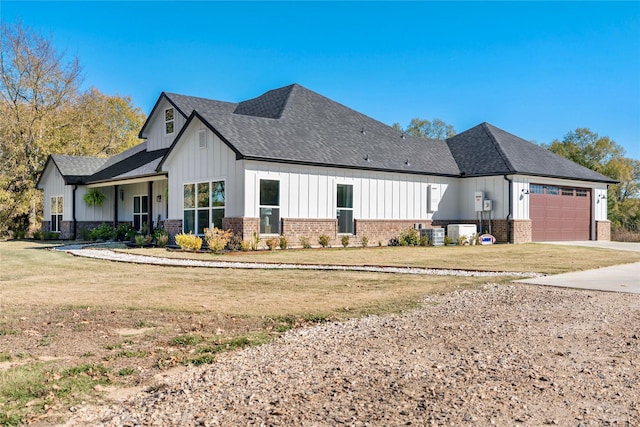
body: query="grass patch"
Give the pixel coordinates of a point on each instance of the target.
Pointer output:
(8, 332)
(125, 372)
(186, 340)
(5, 357)
(32, 389)
(207, 352)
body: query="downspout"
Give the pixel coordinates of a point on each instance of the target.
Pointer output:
(510, 215)
(73, 213)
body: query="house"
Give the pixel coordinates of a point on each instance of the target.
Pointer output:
(292, 162)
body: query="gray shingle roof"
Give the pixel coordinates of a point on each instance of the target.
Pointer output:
(293, 124)
(74, 169)
(488, 150)
(312, 129)
(133, 163)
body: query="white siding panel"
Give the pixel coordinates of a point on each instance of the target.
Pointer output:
(156, 139)
(310, 192)
(93, 213)
(53, 185)
(189, 163)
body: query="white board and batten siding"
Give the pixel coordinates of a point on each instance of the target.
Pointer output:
(494, 188)
(194, 160)
(53, 185)
(311, 192)
(94, 213)
(156, 137)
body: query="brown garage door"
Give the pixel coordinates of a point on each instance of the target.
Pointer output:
(559, 213)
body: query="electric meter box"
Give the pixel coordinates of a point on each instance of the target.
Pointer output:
(487, 205)
(478, 198)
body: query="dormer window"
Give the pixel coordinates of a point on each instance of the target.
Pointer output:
(168, 121)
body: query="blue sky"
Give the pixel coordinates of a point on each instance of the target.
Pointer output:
(535, 69)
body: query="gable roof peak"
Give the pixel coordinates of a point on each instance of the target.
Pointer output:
(269, 105)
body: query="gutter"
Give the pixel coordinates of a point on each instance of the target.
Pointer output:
(510, 215)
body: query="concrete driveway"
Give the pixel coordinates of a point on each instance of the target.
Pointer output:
(618, 278)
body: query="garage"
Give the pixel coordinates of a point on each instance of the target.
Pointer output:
(559, 213)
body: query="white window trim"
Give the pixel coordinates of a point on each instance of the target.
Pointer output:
(165, 121)
(143, 215)
(278, 206)
(56, 213)
(195, 207)
(352, 209)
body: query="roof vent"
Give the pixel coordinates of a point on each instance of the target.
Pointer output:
(402, 135)
(202, 138)
(407, 162)
(366, 158)
(362, 131)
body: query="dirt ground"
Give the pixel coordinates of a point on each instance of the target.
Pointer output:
(500, 355)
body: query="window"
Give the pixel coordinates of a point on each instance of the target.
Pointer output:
(552, 190)
(168, 121)
(345, 209)
(536, 189)
(203, 206)
(567, 191)
(269, 206)
(56, 213)
(140, 211)
(581, 192)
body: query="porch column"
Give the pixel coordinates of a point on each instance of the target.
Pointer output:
(150, 208)
(115, 205)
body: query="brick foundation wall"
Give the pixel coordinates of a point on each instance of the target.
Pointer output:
(243, 226)
(521, 231)
(295, 228)
(172, 227)
(603, 230)
(383, 230)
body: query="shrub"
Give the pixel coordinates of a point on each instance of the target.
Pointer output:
(424, 240)
(38, 235)
(235, 243)
(448, 240)
(217, 239)
(124, 232)
(189, 241)
(345, 241)
(392, 242)
(162, 240)
(305, 243)
(255, 242)
(324, 240)
(461, 240)
(245, 245)
(103, 232)
(410, 237)
(142, 240)
(272, 243)
(365, 241)
(284, 243)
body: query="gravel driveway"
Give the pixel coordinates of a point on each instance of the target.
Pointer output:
(503, 355)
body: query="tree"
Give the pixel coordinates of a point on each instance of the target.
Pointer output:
(44, 112)
(605, 156)
(436, 129)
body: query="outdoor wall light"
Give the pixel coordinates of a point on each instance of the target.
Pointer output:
(158, 198)
(525, 191)
(602, 197)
